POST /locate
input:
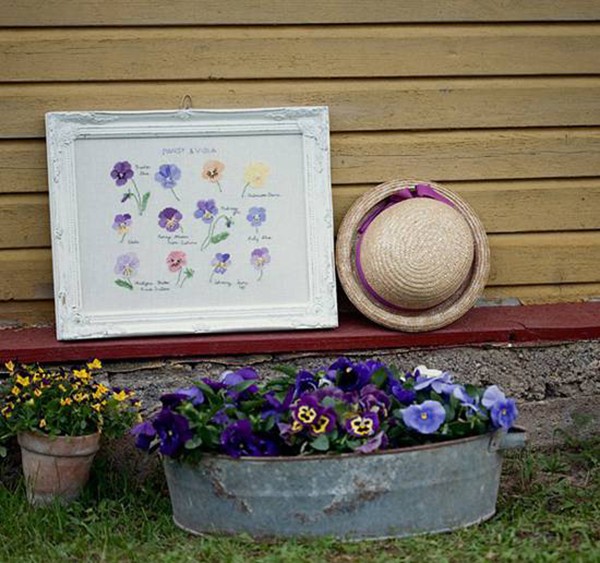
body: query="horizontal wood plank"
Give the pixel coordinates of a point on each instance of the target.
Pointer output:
(355, 105)
(545, 258)
(465, 155)
(539, 294)
(24, 221)
(519, 259)
(41, 312)
(516, 206)
(233, 12)
(504, 207)
(84, 54)
(377, 157)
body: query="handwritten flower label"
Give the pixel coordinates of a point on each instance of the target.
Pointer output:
(123, 174)
(256, 216)
(176, 262)
(122, 224)
(167, 176)
(169, 219)
(212, 171)
(208, 212)
(126, 267)
(220, 263)
(259, 258)
(255, 175)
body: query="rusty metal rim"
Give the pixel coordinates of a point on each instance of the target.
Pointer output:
(321, 457)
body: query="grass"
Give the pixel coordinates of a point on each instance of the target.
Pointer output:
(548, 510)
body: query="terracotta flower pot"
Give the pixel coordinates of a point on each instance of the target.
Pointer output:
(56, 467)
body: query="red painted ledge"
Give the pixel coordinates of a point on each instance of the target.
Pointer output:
(520, 324)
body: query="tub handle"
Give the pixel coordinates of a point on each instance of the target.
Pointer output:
(501, 440)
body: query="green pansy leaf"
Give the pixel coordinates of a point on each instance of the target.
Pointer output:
(218, 238)
(193, 443)
(125, 284)
(145, 199)
(321, 443)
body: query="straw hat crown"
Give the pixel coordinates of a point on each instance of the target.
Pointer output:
(417, 254)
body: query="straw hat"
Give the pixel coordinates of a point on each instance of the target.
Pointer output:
(412, 255)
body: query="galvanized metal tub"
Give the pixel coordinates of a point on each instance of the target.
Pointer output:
(397, 493)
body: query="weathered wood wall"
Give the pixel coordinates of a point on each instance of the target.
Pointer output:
(499, 99)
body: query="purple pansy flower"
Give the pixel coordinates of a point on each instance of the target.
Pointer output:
(425, 418)
(122, 224)
(503, 411)
(168, 175)
(402, 394)
(305, 383)
(362, 425)
(169, 219)
(221, 262)
(256, 216)
(173, 430)
(275, 407)
(127, 265)
(349, 376)
(207, 210)
(439, 381)
(326, 422)
(144, 434)
(192, 394)
(465, 399)
(377, 442)
(259, 258)
(121, 173)
(233, 378)
(238, 439)
(305, 412)
(374, 400)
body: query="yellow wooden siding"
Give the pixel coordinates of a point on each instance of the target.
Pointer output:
(237, 12)
(355, 105)
(507, 114)
(205, 53)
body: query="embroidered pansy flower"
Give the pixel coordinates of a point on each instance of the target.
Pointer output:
(122, 224)
(255, 175)
(256, 216)
(168, 176)
(127, 265)
(220, 263)
(259, 258)
(212, 171)
(176, 260)
(169, 219)
(121, 173)
(207, 210)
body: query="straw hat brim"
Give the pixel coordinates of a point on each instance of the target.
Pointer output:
(435, 317)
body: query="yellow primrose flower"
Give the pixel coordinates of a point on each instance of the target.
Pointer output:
(66, 402)
(10, 366)
(43, 423)
(95, 364)
(23, 381)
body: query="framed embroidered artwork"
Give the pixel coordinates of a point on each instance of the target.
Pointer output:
(191, 221)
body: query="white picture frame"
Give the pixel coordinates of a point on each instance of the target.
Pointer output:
(191, 221)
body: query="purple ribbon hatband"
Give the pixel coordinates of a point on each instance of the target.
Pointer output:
(420, 190)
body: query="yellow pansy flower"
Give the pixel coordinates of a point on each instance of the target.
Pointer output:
(66, 402)
(37, 393)
(23, 381)
(82, 374)
(81, 397)
(95, 364)
(100, 390)
(43, 423)
(10, 366)
(62, 388)
(255, 175)
(15, 391)
(120, 396)
(97, 407)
